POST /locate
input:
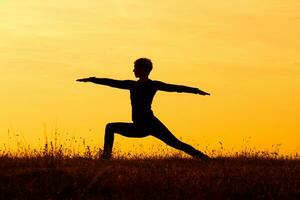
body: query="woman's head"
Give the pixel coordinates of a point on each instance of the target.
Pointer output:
(142, 67)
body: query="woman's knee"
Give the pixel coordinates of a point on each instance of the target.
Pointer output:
(110, 127)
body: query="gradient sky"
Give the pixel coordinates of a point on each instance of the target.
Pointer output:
(246, 53)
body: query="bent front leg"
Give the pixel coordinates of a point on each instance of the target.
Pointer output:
(108, 140)
(124, 129)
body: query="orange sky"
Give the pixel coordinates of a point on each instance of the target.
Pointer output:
(246, 53)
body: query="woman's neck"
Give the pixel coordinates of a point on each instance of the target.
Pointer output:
(143, 79)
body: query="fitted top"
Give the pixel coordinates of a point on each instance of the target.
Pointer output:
(142, 93)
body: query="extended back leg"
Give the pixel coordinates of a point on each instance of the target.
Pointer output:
(161, 132)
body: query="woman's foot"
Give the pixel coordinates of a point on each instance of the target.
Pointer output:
(202, 156)
(105, 156)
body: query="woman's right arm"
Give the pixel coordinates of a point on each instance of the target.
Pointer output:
(121, 84)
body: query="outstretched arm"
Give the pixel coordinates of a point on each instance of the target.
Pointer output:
(109, 82)
(179, 88)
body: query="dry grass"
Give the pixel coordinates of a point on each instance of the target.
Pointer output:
(58, 170)
(50, 174)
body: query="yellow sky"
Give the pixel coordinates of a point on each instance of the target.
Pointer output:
(246, 53)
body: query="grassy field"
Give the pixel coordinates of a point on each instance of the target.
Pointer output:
(55, 176)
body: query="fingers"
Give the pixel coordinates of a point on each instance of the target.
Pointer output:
(90, 79)
(203, 93)
(83, 80)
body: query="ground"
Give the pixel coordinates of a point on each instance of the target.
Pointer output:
(61, 177)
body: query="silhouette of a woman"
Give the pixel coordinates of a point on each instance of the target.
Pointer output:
(144, 121)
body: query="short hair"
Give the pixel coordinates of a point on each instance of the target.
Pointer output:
(144, 63)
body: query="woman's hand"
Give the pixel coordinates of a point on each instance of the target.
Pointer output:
(202, 92)
(90, 79)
